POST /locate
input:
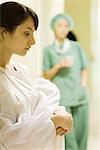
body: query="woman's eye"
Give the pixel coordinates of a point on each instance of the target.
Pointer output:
(26, 34)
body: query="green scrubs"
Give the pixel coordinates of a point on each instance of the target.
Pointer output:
(73, 94)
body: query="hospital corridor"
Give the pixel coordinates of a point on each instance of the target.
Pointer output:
(79, 59)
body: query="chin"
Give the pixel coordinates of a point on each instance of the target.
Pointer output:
(62, 38)
(21, 54)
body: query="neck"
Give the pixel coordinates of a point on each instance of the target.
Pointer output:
(61, 41)
(5, 56)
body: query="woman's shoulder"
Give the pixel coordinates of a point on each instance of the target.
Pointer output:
(74, 43)
(76, 46)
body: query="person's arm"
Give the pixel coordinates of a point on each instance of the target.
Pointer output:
(19, 127)
(26, 129)
(84, 66)
(84, 77)
(31, 128)
(50, 73)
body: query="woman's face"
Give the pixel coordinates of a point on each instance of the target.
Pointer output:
(61, 29)
(21, 39)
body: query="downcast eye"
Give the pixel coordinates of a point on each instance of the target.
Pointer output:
(26, 33)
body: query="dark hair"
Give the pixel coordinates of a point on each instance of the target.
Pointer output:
(71, 36)
(13, 14)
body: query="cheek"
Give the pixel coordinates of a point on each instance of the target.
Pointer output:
(58, 31)
(18, 44)
(62, 32)
(66, 32)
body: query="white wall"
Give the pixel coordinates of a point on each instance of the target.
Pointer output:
(94, 140)
(95, 72)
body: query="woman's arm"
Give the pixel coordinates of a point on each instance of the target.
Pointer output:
(49, 74)
(84, 75)
(25, 128)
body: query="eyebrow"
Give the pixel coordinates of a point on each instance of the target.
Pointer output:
(29, 28)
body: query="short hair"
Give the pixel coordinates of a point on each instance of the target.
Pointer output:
(13, 14)
(62, 16)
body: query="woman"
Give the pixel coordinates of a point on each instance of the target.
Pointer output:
(64, 63)
(29, 114)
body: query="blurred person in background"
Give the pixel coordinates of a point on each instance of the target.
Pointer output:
(65, 64)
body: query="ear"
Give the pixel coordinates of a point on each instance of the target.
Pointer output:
(3, 33)
(1, 37)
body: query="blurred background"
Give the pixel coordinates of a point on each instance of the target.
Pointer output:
(86, 15)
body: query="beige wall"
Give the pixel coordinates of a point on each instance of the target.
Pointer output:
(80, 11)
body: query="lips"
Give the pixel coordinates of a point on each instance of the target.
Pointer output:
(27, 49)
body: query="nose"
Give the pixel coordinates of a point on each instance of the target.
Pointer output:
(32, 41)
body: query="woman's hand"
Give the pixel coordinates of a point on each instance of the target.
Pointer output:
(63, 122)
(65, 63)
(57, 119)
(60, 131)
(67, 122)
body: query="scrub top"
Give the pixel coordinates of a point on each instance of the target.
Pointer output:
(68, 78)
(26, 107)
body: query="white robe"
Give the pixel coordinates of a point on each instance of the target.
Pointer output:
(26, 107)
